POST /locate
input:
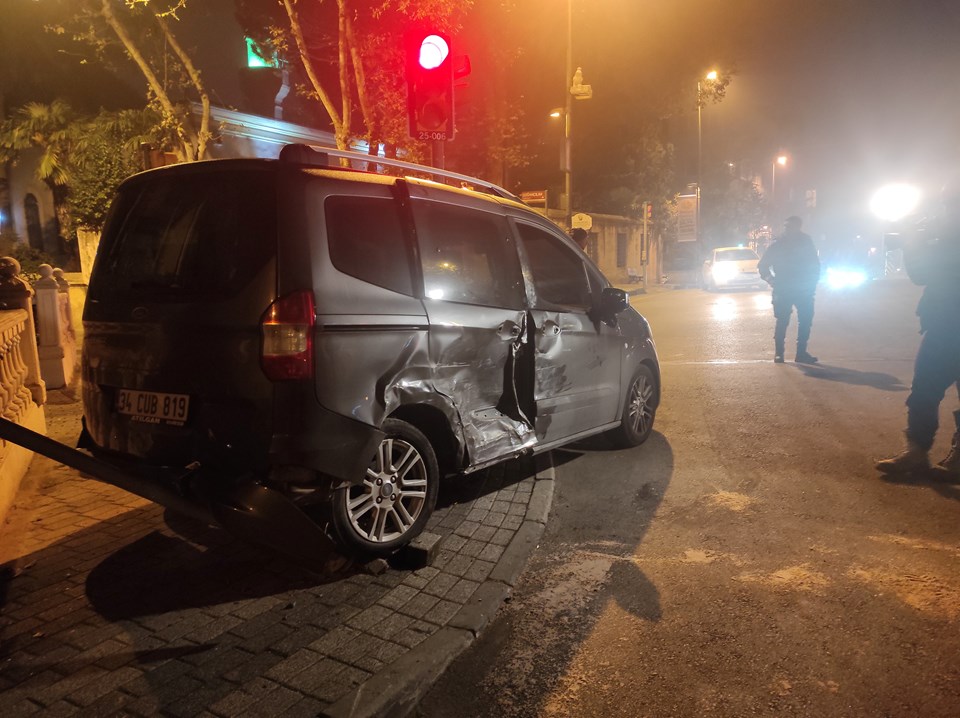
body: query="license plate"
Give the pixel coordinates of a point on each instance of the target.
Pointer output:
(152, 407)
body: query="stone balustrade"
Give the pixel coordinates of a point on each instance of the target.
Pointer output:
(22, 389)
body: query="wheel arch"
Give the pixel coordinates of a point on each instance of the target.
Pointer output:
(436, 427)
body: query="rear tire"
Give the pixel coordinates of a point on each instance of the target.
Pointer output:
(392, 504)
(639, 409)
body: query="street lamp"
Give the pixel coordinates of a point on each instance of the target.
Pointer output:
(782, 161)
(709, 77)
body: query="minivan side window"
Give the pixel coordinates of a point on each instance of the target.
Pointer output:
(468, 256)
(559, 277)
(366, 241)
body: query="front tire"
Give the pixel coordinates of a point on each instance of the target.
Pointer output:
(392, 504)
(639, 409)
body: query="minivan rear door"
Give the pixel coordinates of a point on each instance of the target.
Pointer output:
(185, 268)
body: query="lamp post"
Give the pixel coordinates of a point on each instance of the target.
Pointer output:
(709, 77)
(567, 107)
(782, 161)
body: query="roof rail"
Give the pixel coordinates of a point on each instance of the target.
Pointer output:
(320, 156)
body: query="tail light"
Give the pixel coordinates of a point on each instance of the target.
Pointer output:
(287, 337)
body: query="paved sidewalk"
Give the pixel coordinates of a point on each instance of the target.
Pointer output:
(111, 606)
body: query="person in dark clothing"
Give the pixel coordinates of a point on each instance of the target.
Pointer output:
(933, 263)
(792, 267)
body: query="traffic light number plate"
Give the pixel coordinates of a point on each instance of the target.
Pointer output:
(424, 135)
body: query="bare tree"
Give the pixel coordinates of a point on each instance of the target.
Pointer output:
(142, 29)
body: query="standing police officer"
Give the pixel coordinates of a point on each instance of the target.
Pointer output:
(792, 267)
(933, 263)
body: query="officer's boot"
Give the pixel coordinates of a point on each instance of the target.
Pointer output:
(913, 458)
(778, 343)
(803, 356)
(951, 462)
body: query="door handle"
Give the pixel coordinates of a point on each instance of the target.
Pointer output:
(508, 330)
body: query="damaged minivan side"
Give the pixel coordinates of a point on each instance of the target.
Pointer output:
(344, 339)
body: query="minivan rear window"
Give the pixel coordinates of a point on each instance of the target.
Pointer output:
(366, 241)
(202, 233)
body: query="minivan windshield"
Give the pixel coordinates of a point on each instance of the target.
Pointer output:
(198, 233)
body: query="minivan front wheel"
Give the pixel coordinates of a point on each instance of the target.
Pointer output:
(639, 409)
(390, 507)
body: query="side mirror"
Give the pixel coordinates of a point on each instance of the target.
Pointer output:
(612, 302)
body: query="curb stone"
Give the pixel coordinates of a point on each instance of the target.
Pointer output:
(395, 692)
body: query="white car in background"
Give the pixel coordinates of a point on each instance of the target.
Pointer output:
(731, 268)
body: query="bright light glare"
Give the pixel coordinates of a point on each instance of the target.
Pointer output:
(433, 51)
(894, 201)
(723, 272)
(712, 75)
(845, 278)
(724, 309)
(761, 301)
(435, 293)
(782, 160)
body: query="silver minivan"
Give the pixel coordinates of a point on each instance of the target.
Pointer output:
(345, 339)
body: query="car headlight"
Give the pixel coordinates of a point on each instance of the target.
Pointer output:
(838, 278)
(724, 272)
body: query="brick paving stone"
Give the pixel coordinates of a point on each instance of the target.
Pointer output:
(427, 573)
(462, 591)
(272, 703)
(454, 543)
(484, 533)
(99, 688)
(440, 585)
(73, 682)
(391, 626)
(484, 503)
(502, 537)
(194, 703)
(254, 666)
(467, 528)
(335, 638)
(368, 596)
(442, 612)
(286, 669)
(495, 519)
(353, 651)
(23, 708)
(214, 628)
(419, 605)
(512, 522)
(302, 637)
(267, 638)
(398, 596)
(369, 617)
(500, 507)
(323, 680)
(251, 609)
(335, 616)
(472, 548)
(306, 707)
(459, 565)
(60, 709)
(172, 691)
(491, 553)
(477, 515)
(410, 637)
(479, 570)
(233, 703)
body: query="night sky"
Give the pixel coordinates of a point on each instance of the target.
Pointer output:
(856, 92)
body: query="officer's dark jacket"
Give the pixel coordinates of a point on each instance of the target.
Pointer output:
(792, 263)
(934, 263)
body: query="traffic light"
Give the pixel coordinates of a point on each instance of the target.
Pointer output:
(429, 70)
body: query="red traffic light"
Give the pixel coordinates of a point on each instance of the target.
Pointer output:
(429, 75)
(433, 51)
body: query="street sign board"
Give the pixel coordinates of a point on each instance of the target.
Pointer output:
(687, 218)
(581, 221)
(537, 196)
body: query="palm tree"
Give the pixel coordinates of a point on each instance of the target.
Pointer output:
(50, 129)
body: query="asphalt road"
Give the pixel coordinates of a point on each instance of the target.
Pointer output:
(748, 560)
